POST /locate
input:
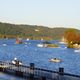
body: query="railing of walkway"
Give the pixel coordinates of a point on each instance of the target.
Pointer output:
(36, 73)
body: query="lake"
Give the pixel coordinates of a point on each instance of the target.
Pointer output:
(28, 52)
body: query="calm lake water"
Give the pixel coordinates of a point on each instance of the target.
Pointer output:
(28, 52)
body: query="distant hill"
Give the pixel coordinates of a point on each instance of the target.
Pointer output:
(31, 31)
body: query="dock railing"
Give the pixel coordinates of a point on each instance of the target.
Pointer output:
(33, 73)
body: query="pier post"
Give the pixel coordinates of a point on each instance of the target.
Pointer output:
(32, 66)
(43, 78)
(17, 63)
(19, 73)
(61, 71)
(1, 69)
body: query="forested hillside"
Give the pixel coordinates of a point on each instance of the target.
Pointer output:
(31, 31)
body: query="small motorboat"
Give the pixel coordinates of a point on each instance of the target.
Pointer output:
(39, 45)
(42, 45)
(77, 50)
(16, 62)
(55, 60)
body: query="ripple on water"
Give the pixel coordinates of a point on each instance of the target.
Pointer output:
(29, 53)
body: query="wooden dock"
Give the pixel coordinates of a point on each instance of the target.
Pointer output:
(33, 73)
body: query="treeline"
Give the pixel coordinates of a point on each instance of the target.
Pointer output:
(73, 38)
(31, 31)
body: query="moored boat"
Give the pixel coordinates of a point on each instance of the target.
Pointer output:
(41, 45)
(77, 50)
(16, 62)
(55, 60)
(18, 41)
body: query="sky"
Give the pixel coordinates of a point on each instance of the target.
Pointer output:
(51, 13)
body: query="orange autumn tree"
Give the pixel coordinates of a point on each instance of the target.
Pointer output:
(71, 35)
(78, 39)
